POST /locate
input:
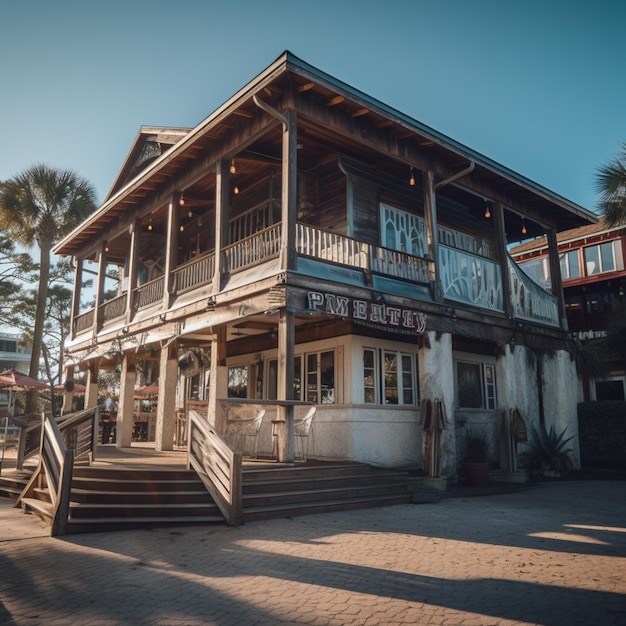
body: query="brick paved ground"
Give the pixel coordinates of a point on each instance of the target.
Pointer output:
(552, 555)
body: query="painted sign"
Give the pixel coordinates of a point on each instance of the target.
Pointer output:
(376, 314)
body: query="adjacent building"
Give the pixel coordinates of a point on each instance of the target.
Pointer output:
(594, 282)
(309, 246)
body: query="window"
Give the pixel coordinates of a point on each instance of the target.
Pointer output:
(538, 270)
(476, 385)
(403, 231)
(605, 257)
(272, 379)
(610, 390)
(396, 385)
(570, 265)
(238, 381)
(320, 377)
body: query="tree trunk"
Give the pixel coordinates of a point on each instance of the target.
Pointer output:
(42, 295)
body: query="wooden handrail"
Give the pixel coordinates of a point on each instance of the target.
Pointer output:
(56, 461)
(217, 465)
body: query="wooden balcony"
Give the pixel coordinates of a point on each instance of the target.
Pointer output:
(467, 278)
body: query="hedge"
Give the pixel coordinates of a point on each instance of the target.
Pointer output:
(602, 434)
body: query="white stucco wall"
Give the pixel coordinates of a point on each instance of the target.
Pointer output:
(436, 368)
(560, 397)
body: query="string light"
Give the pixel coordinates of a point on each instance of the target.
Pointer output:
(233, 169)
(487, 211)
(150, 224)
(412, 179)
(182, 199)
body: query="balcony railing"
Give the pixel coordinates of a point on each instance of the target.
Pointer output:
(114, 308)
(531, 302)
(149, 293)
(83, 321)
(320, 244)
(470, 279)
(253, 250)
(195, 273)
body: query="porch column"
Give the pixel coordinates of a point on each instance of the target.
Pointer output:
(555, 275)
(67, 395)
(436, 368)
(126, 404)
(166, 405)
(78, 281)
(171, 250)
(218, 377)
(501, 252)
(91, 386)
(133, 264)
(222, 179)
(97, 319)
(289, 215)
(430, 218)
(286, 349)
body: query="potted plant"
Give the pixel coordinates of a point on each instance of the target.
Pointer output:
(476, 457)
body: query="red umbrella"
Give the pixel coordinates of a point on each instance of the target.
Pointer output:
(16, 381)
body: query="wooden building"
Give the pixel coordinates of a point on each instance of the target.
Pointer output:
(309, 246)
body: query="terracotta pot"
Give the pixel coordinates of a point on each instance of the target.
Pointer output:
(476, 474)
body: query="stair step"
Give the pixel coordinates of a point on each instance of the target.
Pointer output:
(309, 508)
(109, 524)
(81, 511)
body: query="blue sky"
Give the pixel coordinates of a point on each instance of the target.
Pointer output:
(537, 85)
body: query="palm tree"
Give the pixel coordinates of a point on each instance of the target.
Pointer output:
(611, 185)
(40, 206)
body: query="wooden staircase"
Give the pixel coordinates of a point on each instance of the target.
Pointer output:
(109, 498)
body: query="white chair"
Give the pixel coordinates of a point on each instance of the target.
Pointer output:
(301, 431)
(243, 434)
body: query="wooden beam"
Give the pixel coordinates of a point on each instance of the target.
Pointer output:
(306, 86)
(360, 112)
(335, 101)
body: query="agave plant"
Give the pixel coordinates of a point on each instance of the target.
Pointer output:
(548, 451)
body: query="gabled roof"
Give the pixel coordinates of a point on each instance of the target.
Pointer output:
(149, 144)
(135, 182)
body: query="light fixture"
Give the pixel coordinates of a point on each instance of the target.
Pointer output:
(523, 227)
(106, 249)
(189, 214)
(412, 179)
(233, 169)
(236, 190)
(487, 211)
(181, 201)
(181, 228)
(150, 224)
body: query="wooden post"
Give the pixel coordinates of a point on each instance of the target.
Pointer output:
(221, 221)
(97, 316)
(91, 386)
(502, 256)
(78, 281)
(286, 350)
(166, 404)
(430, 218)
(171, 249)
(218, 379)
(126, 405)
(133, 264)
(555, 275)
(289, 213)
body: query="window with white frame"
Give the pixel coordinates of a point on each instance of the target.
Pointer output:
(604, 257)
(570, 265)
(320, 377)
(389, 377)
(475, 385)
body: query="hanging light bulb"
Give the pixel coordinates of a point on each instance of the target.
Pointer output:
(182, 199)
(523, 227)
(189, 214)
(181, 228)
(150, 224)
(233, 169)
(236, 190)
(412, 179)
(487, 211)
